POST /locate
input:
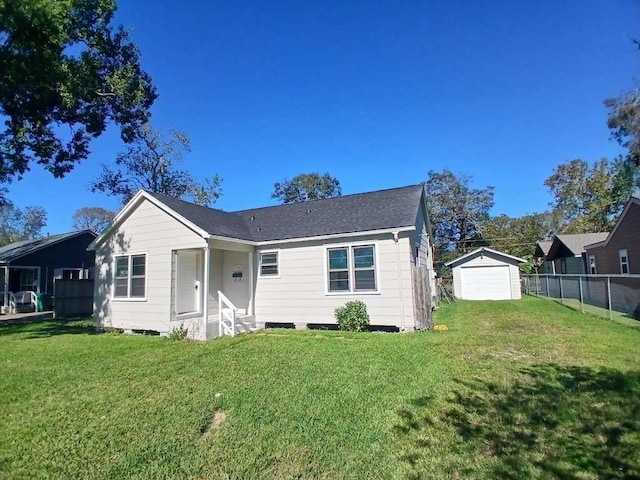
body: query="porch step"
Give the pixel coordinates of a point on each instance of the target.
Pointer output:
(246, 324)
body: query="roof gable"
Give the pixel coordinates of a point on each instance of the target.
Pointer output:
(542, 249)
(634, 202)
(210, 220)
(17, 250)
(482, 250)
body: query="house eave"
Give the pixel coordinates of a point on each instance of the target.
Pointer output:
(484, 249)
(632, 201)
(337, 235)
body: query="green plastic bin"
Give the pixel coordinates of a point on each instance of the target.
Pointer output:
(40, 302)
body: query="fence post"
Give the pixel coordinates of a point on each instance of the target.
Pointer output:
(547, 277)
(581, 298)
(560, 277)
(609, 296)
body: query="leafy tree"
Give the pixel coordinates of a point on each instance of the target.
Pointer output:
(458, 212)
(589, 198)
(307, 186)
(95, 219)
(624, 120)
(148, 163)
(64, 64)
(20, 224)
(518, 236)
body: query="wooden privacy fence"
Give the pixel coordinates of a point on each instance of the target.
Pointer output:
(422, 297)
(72, 298)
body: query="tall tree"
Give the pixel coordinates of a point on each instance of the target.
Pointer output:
(590, 197)
(149, 164)
(64, 64)
(20, 224)
(305, 187)
(457, 211)
(95, 219)
(518, 236)
(624, 120)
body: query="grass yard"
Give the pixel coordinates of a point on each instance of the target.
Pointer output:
(527, 389)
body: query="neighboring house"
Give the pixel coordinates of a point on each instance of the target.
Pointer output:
(568, 254)
(162, 263)
(486, 274)
(619, 252)
(32, 265)
(542, 252)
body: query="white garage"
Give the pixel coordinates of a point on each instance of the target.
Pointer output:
(486, 274)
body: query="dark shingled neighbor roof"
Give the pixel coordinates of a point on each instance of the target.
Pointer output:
(542, 248)
(382, 209)
(15, 250)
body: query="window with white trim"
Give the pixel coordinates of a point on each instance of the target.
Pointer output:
(624, 261)
(130, 276)
(269, 264)
(592, 265)
(352, 269)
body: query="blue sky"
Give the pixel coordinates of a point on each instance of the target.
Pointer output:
(375, 93)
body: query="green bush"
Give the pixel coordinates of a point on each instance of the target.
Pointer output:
(353, 316)
(178, 333)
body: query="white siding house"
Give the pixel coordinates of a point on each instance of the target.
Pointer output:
(290, 264)
(486, 274)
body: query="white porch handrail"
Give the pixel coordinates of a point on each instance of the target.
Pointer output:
(226, 315)
(12, 303)
(22, 297)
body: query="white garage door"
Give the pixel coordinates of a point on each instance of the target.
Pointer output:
(485, 283)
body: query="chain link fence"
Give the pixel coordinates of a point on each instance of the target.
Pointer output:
(616, 297)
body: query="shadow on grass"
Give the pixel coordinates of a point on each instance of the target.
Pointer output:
(554, 422)
(49, 328)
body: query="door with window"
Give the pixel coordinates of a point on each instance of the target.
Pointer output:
(188, 274)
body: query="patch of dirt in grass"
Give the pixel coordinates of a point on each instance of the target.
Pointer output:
(336, 338)
(219, 418)
(511, 353)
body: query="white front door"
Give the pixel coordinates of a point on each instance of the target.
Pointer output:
(188, 281)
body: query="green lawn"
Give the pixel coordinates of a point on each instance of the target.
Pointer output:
(527, 389)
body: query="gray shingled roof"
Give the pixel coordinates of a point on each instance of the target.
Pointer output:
(212, 221)
(16, 250)
(382, 209)
(544, 247)
(575, 242)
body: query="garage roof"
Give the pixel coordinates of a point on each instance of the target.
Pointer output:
(488, 250)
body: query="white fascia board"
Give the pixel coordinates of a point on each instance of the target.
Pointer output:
(132, 205)
(485, 249)
(338, 235)
(232, 239)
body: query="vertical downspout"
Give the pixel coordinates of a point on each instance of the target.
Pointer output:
(205, 300)
(6, 285)
(396, 240)
(251, 287)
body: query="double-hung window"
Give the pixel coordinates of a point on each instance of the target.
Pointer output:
(130, 276)
(352, 269)
(624, 261)
(269, 264)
